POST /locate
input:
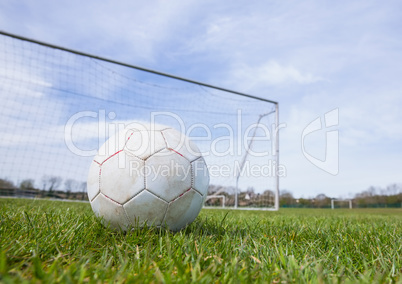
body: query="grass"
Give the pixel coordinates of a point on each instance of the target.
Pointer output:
(51, 241)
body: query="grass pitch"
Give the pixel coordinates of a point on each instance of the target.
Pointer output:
(50, 241)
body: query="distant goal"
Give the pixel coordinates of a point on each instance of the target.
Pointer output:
(342, 203)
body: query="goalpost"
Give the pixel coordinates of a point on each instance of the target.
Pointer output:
(341, 200)
(222, 197)
(59, 105)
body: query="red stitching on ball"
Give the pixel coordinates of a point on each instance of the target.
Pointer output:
(111, 156)
(129, 136)
(176, 152)
(181, 194)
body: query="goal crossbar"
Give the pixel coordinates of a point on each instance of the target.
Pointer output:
(136, 67)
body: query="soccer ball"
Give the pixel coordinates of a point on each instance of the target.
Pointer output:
(148, 176)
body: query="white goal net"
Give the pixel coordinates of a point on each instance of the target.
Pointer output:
(59, 105)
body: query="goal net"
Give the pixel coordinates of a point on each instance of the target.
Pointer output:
(59, 106)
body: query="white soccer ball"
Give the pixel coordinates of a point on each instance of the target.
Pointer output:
(147, 176)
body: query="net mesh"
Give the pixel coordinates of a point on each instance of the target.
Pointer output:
(58, 108)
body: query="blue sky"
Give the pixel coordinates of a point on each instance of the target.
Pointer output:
(311, 56)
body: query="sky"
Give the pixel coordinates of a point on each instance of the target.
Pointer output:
(334, 68)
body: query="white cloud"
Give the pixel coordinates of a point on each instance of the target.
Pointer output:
(127, 30)
(17, 76)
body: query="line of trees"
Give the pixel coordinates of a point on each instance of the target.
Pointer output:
(48, 187)
(56, 187)
(390, 196)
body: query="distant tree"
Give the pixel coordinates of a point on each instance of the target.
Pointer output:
(51, 183)
(83, 188)
(27, 184)
(70, 185)
(394, 189)
(286, 198)
(268, 192)
(7, 187)
(304, 202)
(6, 184)
(321, 200)
(377, 196)
(371, 191)
(212, 189)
